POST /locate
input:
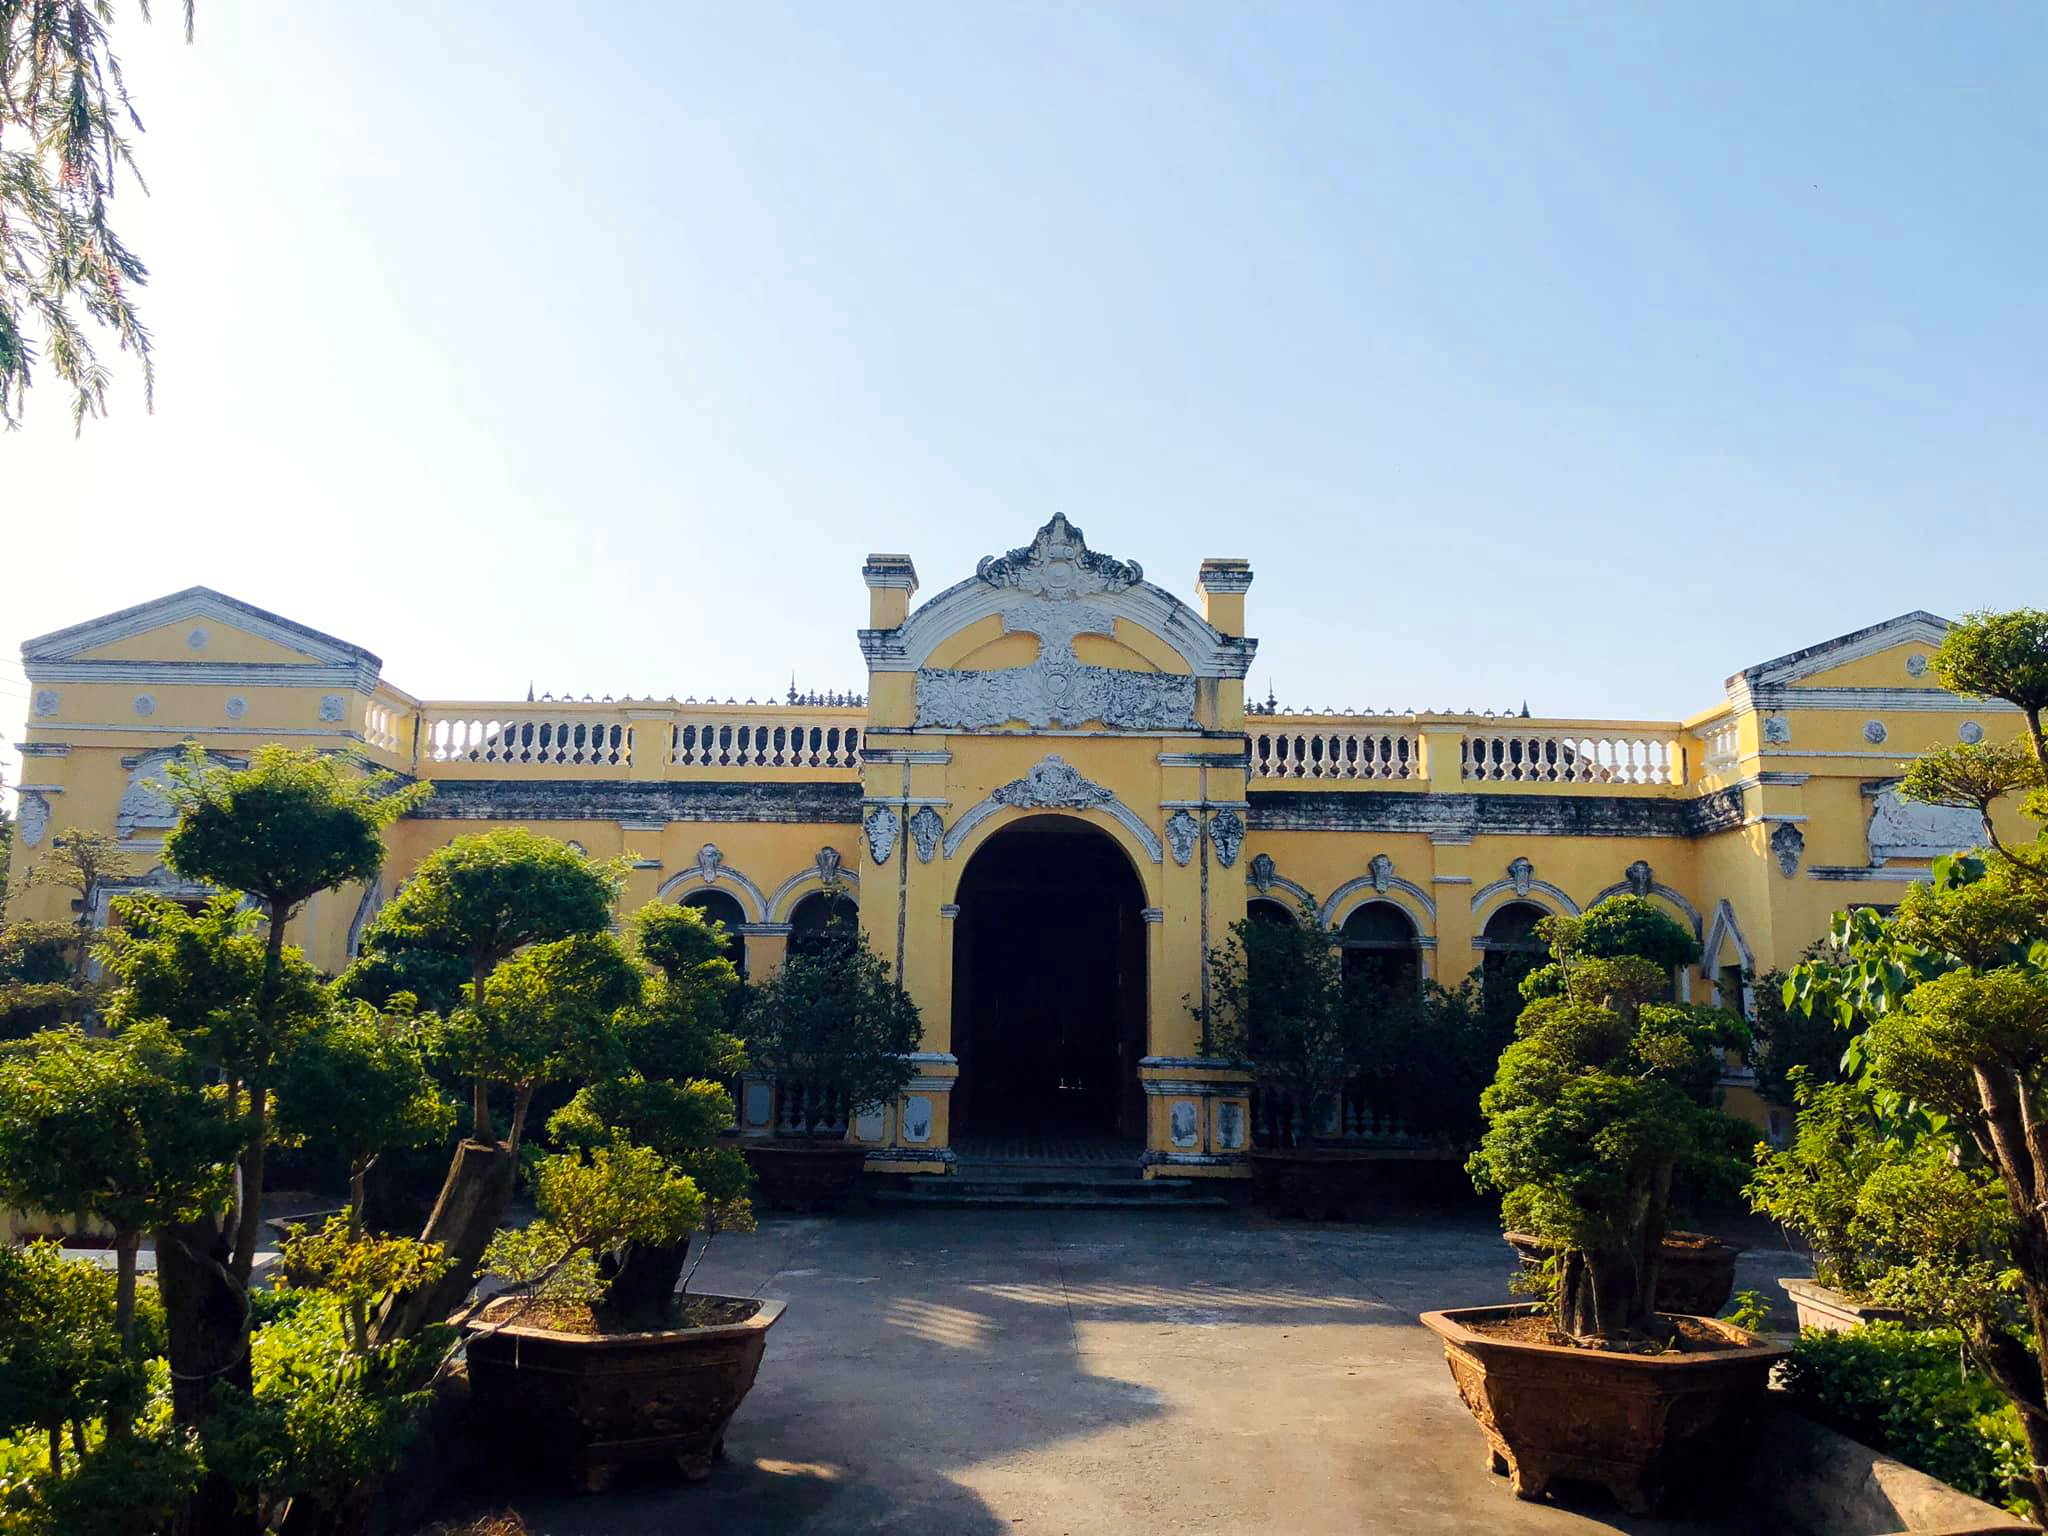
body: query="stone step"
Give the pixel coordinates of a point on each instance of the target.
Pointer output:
(1048, 1173)
(947, 1192)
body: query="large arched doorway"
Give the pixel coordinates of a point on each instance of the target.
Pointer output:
(1049, 985)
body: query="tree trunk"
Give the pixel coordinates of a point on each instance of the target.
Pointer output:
(640, 1287)
(480, 1128)
(206, 1317)
(126, 1241)
(1610, 1293)
(471, 1205)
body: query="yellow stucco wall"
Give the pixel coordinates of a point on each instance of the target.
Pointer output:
(1800, 751)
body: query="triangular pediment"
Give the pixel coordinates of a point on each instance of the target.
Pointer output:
(197, 625)
(1882, 655)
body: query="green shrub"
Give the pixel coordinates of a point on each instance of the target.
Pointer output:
(1907, 1392)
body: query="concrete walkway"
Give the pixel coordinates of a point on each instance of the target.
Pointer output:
(1102, 1373)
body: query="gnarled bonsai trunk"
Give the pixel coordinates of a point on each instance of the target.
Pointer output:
(1610, 1292)
(640, 1288)
(471, 1205)
(206, 1317)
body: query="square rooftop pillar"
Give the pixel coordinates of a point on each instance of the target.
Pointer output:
(1223, 584)
(891, 580)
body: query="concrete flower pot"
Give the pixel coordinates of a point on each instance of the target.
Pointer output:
(1695, 1272)
(587, 1404)
(1639, 1425)
(805, 1175)
(1831, 1310)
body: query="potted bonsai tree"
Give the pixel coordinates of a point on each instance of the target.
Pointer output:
(837, 1030)
(1592, 1109)
(598, 1356)
(1280, 1011)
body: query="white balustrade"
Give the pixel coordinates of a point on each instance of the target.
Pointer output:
(582, 741)
(1285, 750)
(714, 742)
(1525, 756)
(1723, 744)
(380, 726)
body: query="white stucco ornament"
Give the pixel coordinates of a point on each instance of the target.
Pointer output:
(333, 707)
(925, 831)
(236, 706)
(145, 705)
(881, 827)
(1182, 833)
(1226, 836)
(47, 700)
(1969, 733)
(1874, 732)
(1777, 730)
(34, 818)
(1184, 1123)
(197, 638)
(1907, 829)
(1916, 665)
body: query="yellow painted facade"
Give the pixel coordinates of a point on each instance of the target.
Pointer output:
(1055, 734)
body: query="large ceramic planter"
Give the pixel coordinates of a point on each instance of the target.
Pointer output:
(805, 1175)
(585, 1404)
(1821, 1307)
(1638, 1425)
(1316, 1183)
(1695, 1272)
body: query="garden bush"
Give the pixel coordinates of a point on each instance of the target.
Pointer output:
(1907, 1392)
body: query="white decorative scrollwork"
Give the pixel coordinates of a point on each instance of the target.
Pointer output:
(47, 700)
(1382, 871)
(1522, 873)
(34, 817)
(1226, 834)
(1908, 829)
(1056, 572)
(708, 859)
(1052, 784)
(1787, 844)
(828, 865)
(1262, 870)
(1182, 833)
(333, 707)
(881, 828)
(925, 831)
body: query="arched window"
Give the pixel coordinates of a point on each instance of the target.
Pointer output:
(1510, 949)
(1262, 909)
(817, 913)
(1382, 959)
(724, 907)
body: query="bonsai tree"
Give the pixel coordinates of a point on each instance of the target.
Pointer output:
(485, 898)
(1280, 1010)
(1948, 1000)
(1605, 1091)
(836, 1021)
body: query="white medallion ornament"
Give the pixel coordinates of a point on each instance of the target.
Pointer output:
(1226, 834)
(333, 707)
(881, 828)
(925, 830)
(1182, 833)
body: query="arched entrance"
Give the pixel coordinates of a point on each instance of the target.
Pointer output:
(1049, 985)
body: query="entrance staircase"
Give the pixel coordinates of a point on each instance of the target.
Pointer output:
(1052, 1173)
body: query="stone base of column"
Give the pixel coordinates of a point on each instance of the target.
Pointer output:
(1197, 1118)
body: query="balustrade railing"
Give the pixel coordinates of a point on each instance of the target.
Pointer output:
(1293, 751)
(1495, 755)
(1278, 1121)
(804, 1110)
(711, 742)
(580, 741)
(1723, 745)
(380, 726)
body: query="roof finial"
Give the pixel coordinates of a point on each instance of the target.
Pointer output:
(529, 690)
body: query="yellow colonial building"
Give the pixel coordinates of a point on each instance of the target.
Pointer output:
(1052, 800)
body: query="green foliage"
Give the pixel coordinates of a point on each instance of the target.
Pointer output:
(360, 1270)
(485, 896)
(116, 1127)
(290, 824)
(1997, 655)
(550, 1011)
(838, 1020)
(361, 1085)
(1751, 1310)
(387, 967)
(65, 110)
(126, 1486)
(323, 1419)
(1812, 1186)
(38, 976)
(541, 1263)
(1602, 1096)
(616, 1195)
(1786, 1041)
(1431, 1055)
(61, 1360)
(1280, 1010)
(1909, 1393)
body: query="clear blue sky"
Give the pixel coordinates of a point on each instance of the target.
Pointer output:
(1569, 352)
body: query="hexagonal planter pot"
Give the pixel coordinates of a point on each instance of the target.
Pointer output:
(1639, 1425)
(1695, 1272)
(587, 1404)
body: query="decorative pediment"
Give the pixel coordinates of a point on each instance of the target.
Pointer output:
(196, 635)
(1058, 564)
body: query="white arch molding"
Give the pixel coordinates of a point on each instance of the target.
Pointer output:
(1541, 893)
(806, 882)
(1420, 906)
(1053, 785)
(720, 875)
(1656, 888)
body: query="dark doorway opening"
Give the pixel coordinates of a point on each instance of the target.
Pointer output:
(1049, 985)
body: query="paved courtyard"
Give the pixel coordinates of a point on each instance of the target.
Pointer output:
(1100, 1373)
